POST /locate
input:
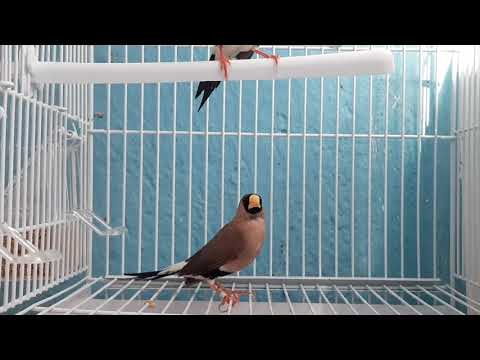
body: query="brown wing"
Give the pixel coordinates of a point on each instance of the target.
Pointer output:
(224, 247)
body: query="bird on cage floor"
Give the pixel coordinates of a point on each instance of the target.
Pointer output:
(223, 54)
(233, 248)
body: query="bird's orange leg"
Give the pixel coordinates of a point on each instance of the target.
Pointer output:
(229, 296)
(224, 61)
(265, 55)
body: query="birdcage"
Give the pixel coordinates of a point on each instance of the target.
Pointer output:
(368, 174)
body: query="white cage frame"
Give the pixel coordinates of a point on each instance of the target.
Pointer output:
(51, 122)
(45, 127)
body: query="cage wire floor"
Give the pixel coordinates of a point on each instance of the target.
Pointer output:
(273, 296)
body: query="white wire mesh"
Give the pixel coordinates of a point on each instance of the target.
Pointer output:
(115, 296)
(383, 110)
(393, 123)
(468, 138)
(41, 178)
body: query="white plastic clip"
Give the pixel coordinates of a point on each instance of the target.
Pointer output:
(87, 218)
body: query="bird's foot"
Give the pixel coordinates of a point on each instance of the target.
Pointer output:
(268, 56)
(275, 58)
(232, 298)
(224, 63)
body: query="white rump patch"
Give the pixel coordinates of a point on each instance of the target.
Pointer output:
(174, 268)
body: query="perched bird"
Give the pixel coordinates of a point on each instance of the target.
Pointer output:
(233, 248)
(223, 54)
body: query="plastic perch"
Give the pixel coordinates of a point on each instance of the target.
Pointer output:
(354, 63)
(88, 217)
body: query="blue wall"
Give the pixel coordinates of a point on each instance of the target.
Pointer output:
(315, 228)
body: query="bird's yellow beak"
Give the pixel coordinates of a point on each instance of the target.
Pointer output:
(254, 202)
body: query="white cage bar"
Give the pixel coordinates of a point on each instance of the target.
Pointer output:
(468, 246)
(39, 140)
(51, 175)
(311, 299)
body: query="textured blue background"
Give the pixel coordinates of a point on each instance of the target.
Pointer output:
(316, 229)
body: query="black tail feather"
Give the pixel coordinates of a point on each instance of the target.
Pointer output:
(151, 275)
(207, 87)
(199, 90)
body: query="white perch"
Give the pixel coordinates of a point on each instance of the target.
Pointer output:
(372, 62)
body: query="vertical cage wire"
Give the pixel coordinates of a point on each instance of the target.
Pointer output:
(218, 120)
(272, 154)
(35, 175)
(467, 245)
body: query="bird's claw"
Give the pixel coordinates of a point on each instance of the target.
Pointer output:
(224, 302)
(268, 56)
(232, 298)
(224, 63)
(275, 58)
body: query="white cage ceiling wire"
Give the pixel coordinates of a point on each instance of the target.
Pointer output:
(368, 172)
